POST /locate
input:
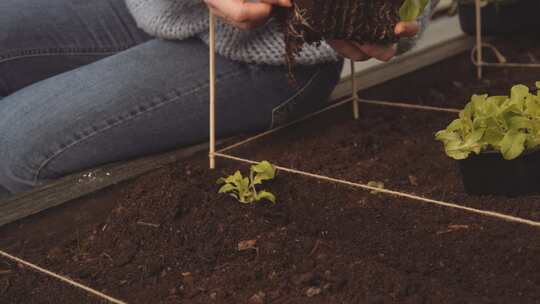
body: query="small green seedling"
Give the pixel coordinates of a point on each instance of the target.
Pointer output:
(411, 9)
(374, 184)
(244, 189)
(506, 124)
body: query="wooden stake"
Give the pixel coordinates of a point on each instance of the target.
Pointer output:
(212, 80)
(354, 87)
(479, 56)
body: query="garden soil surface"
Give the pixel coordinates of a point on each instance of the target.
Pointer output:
(168, 237)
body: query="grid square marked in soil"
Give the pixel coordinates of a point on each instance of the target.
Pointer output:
(406, 158)
(213, 154)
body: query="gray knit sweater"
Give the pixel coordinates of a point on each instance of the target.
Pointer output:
(181, 19)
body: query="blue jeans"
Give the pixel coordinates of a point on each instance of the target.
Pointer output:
(83, 86)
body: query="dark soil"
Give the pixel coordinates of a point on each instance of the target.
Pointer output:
(37, 288)
(168, 237)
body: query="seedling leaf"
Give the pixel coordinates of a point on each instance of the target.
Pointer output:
(226, 188)
(411, 9)
(513, 144)
(264, 171)
(265, 195)
(374, 184)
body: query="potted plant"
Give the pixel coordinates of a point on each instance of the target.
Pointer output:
(496, 141)
(499, 17)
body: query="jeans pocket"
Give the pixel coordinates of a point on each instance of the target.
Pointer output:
(302, 102)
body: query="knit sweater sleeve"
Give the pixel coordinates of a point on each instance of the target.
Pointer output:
(181, 19)
(169, 19)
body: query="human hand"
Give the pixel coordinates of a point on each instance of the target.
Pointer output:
(361, 52)
(245, 14)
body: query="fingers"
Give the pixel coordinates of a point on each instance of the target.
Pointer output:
(348, 49)
(407, 29)
(360, 52)
(245, 15)
(284, 3)
(380, 52)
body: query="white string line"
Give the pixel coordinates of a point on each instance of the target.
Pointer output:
(493, 214)
(333, 106)
(500, 57)
(62, 278)
(408, 106)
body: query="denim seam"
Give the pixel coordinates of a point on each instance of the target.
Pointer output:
(298, 93)
(25, 53)
(129, 118)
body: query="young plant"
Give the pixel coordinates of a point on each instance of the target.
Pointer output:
(375, 184)
(244, 189)
(506, 124)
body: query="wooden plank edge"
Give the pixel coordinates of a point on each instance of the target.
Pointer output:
(89, 181)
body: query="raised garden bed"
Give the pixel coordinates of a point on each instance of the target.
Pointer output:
(168, 237)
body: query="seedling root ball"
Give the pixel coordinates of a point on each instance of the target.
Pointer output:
(363, 21)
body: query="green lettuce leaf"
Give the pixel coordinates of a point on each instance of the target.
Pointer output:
(508, 124)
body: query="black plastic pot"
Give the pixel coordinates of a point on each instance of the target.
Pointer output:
(490, 174)
(502, 19)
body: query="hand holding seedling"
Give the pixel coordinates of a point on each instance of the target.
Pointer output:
(361, 52)
(245, 14)
(406, 28)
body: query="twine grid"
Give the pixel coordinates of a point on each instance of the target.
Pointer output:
(355, 101)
